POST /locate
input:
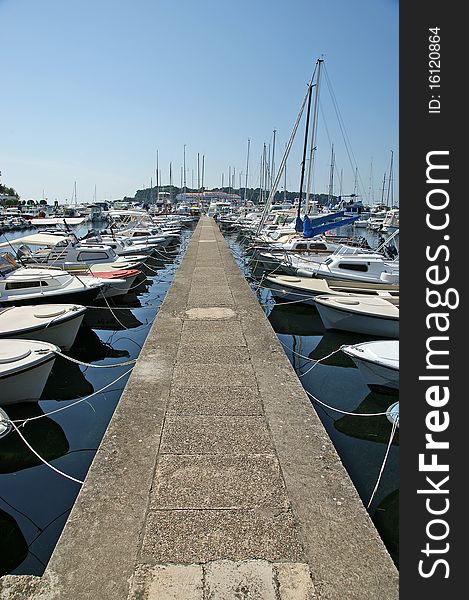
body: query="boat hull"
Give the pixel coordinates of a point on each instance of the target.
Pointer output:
(25, 385)
(77, 296)
(335, 318)
(60, 332)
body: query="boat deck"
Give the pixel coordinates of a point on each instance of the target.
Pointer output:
(215, 478)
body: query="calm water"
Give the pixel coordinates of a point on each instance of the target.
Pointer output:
(35, 501)
(360, 441)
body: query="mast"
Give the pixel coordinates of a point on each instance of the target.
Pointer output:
(314, 129)
(285, 183)
(382, 191)
(390, 181)
(171, 183)
(298, 217)
(247, 169)
(184, 168)
(331, 178)
(157, 179)
(272, 169)
(284, 159)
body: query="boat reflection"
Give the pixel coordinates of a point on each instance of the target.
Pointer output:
(372, 429)
(295, 319)
(67, 380)
(13, 546)
(120, 320)
(43, 434)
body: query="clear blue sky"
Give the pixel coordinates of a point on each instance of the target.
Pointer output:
(91, 89)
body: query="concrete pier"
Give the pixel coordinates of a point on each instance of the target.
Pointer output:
(215, 479)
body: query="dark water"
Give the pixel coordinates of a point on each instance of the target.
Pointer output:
(361, 442)
(34, 500)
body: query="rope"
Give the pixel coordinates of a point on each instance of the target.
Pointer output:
(23, 422)
(391, 437)
(84, 364)
(344, 412)
(43, 460)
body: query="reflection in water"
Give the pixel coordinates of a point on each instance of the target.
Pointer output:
(386, 520)
(103, 318)
(44, 435)
(374, 429)
(13, 546)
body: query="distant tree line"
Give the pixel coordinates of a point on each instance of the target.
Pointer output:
(8, 191)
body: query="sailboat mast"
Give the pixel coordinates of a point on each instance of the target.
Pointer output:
(384, 187)
(305, 145)
(390, 180)
(157, 178)
(314, 129)
(272, 169)
(184, 168)
(247, 170)
(171, 183)
(331, 178)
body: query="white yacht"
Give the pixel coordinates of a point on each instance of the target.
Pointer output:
(378, 362)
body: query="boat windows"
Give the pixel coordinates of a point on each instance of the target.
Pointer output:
(354, 267)
(301, 246)
(20, 285)
(84, 256)
(317, 246)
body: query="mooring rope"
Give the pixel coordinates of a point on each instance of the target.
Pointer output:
(43, 460)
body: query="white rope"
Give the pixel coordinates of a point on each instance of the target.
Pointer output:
(52, 412)
(84, 364)
(391, 437)
(318, 361)
(42, 459)
(344, 412)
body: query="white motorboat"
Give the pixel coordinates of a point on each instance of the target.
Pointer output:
(25, 366)
(151, 236)
(378, 362)
(304, 289)
(62, 250)
(360, 314)
(121, 245)
(25, 285)
(56, 324)
(362, 267)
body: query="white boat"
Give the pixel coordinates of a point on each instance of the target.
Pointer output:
(304, 289)
(366, 268)
(392, 414)
(360, 314)
(378, 362)
(62, 250)
(25, 285)
(25, 366)
(56, 324)
(5, 425)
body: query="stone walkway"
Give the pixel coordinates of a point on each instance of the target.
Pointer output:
(215, 479)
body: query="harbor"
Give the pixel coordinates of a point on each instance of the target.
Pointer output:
(200, 302)
(235, 482)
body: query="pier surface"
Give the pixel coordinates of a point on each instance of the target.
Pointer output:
(215, 479)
